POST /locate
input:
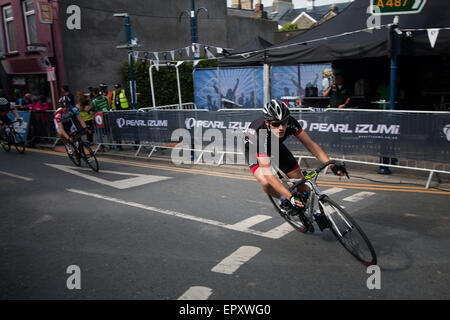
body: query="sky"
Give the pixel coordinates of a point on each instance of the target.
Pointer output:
(297, 3)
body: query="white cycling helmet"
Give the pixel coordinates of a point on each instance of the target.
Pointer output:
(275, 110)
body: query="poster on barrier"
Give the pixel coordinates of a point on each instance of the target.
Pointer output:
(22, 128)
(98, 117)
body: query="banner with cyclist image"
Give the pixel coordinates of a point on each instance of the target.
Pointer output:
(22, 128)
(229, 88)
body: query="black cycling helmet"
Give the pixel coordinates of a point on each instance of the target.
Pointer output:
(275, 110)
(64, 101)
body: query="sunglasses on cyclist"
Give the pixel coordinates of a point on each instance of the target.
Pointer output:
(279, 123)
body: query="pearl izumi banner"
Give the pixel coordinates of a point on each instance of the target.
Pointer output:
(420, 136)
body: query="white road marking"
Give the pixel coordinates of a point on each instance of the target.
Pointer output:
(359, 196)
(15, 176)
(280, 231)
(258, 202)
(138, 180)
(247, 223)
(196, 293)
(231, 263)
(333, 191)
(275, 233)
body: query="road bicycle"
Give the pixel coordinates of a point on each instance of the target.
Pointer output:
(81, 150)
(326, 214)
(12, 137)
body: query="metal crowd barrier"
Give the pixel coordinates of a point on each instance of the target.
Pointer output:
(42, 127)
(184, 106)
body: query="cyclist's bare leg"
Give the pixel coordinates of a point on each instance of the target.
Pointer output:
(259, 175)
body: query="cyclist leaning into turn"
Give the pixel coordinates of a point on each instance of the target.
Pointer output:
(5, 108)
(64, 121)
(278, 124)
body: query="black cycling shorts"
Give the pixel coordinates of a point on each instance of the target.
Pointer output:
(284, 159)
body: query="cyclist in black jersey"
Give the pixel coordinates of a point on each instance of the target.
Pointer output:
(278, 124)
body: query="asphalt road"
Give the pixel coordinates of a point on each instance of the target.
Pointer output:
(139, 230)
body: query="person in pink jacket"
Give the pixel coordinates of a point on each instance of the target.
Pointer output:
(42, 104)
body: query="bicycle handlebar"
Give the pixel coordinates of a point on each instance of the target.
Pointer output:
(315, 173)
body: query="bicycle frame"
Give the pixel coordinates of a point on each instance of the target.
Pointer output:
(310, 180)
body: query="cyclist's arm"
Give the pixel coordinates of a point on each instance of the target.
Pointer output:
(83, 124)
(313, 147)
(62, 132)
(265, 166)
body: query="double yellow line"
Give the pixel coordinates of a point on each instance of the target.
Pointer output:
(323, 183)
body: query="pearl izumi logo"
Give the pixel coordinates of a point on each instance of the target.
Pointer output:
(121, 122)
(447, 132)
(233, 125)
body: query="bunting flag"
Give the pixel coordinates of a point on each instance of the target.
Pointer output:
(432, 36)
(209, 53)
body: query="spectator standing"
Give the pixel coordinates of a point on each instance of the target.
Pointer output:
(100, 101)
(27, 101)
(41, 123)
(101, 104)
(42, 104)
(119, 99)
(32, 103)
(108, 94)
(86, 109)
(338, 92)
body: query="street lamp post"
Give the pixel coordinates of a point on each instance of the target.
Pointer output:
(194, 39)
(129, 46)
(193, 14)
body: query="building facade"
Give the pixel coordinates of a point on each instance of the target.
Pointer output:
(79, 37)
(28, 47)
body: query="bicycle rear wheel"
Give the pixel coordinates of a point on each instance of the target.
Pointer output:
(89, 156)
(294, 220)
(18, 142)
(348, 232)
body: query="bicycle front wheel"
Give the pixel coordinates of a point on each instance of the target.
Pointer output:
(18, 142)
(75, 156)
(348, 232)
(89, 157)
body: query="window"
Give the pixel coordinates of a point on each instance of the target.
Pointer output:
(8, 19)
(30, 21)
(2, 48)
